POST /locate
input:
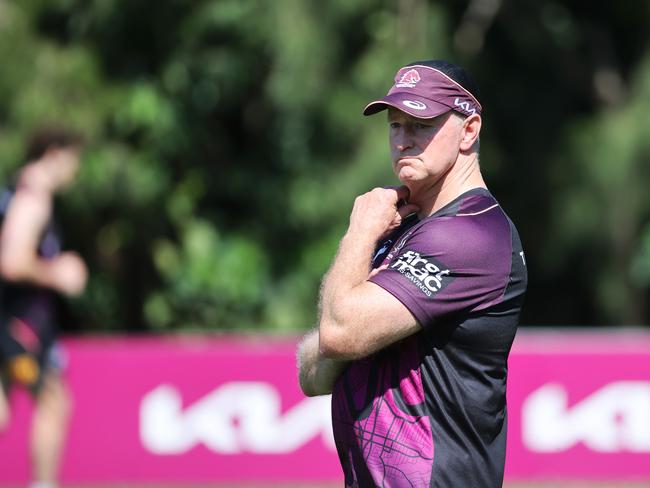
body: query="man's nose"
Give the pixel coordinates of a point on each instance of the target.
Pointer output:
(403, 140)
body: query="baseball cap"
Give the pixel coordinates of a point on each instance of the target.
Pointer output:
(426, 89)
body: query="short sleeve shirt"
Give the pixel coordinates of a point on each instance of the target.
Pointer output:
(34, 307)
(430, 410)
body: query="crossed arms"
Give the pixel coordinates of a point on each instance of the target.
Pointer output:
(357, 317)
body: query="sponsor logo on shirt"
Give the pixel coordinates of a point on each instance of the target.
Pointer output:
(381, 251)
(424, 273)
(399, 246)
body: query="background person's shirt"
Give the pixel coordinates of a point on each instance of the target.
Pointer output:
(430, 410)
(28, 312)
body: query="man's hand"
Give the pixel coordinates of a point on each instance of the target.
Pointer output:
(377, 213)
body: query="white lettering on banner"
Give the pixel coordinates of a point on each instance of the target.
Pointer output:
(615, 418)
(235, 418)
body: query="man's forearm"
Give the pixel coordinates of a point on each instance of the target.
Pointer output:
(316, 373)
(60, 273)
(348, 303)
(349, 269)
(34, 271)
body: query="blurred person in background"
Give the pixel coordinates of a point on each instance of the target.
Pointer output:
(33, 270)
(420, 306)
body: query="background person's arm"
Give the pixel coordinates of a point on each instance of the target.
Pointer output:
(24, 222)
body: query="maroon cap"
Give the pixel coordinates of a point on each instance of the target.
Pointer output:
(425, 92)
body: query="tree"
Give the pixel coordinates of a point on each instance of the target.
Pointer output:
(227, 144)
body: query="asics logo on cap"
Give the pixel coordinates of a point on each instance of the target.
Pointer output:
(409, 79)
(414, 104)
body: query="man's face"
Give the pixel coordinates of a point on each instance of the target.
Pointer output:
(423, 150)
(64, 163)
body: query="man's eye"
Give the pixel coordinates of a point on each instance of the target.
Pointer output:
(395, 125)
(421, 125)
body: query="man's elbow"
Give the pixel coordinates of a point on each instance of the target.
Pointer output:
(310, 386)
(337, 342)
(307, 390)
(310, 389)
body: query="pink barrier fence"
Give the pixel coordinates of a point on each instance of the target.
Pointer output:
(203, 409)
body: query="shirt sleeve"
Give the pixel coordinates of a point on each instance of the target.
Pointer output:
(449, 266)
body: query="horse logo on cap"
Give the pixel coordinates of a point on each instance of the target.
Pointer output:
(408, 79)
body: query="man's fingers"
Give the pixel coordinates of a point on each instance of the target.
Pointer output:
(407, 209)
(403, 193)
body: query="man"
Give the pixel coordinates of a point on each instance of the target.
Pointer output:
(421, 304)
(33, 269)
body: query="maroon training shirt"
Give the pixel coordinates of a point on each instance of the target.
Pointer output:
(430, 410)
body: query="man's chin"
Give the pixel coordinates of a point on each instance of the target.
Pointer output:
(408, 177)
(413, 183)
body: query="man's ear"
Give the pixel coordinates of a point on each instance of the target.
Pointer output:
(471, 131)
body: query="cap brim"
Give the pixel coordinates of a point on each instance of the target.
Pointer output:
(419, 107)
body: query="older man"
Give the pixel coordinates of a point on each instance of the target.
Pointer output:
(421, 304)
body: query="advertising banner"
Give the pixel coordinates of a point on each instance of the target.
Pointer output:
(579, 407)
(197, 409)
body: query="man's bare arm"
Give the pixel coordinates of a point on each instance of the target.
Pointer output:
(317, 374)
(26, 218)
(358, 317)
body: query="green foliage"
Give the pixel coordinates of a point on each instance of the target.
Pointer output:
(209, 280)
(226, 145)
(604, 201)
